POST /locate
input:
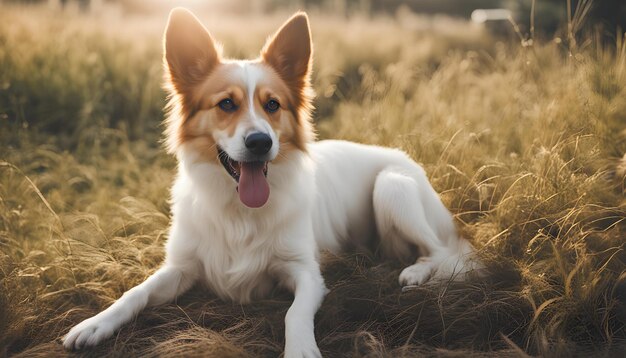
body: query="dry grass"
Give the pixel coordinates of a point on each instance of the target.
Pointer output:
(524, 143)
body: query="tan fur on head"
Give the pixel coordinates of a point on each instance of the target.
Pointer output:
(190, 54)
(290, 53)
(197, 78)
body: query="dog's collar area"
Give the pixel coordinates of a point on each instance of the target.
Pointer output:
(233, 167)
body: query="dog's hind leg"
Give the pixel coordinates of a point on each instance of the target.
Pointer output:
(408, 212)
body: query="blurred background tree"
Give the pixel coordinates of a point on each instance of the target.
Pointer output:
(607, 17)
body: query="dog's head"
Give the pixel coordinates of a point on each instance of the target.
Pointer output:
(241, 115)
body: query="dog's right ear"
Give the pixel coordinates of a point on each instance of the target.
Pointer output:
(189, 51)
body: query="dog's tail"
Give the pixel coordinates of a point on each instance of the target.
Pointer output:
(460, 261)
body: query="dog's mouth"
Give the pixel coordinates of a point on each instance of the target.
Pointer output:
(253, 188)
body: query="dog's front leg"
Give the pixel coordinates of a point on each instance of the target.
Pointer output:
(306, 282)
(163, 286)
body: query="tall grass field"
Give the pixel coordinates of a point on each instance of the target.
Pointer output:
(524, 140)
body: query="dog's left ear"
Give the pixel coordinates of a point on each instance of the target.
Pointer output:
(289, 50)
(190, 53)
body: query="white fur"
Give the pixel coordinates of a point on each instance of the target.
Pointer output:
(339, 194)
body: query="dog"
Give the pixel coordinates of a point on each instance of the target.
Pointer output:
(256, 198)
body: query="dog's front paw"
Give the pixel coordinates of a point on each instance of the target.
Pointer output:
(302, 349)
(88, 333)
(303, 352)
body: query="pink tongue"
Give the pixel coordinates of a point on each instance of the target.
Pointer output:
(253, 188)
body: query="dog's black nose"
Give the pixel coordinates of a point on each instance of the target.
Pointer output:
(258, 143)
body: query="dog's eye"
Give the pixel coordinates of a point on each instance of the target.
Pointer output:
(272, 106)
(227, 105)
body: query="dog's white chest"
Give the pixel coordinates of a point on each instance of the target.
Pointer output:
(239, 248)
(236, 263)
